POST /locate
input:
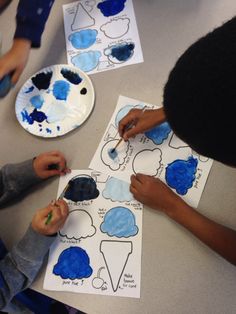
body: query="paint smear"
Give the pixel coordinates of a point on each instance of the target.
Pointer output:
(29, 90)
(61, 89)
(87, 61)
(36, 115)
(72, 77)
(180, 174)
(159, 134)
(37, 101)
(121, 52)
(73, 263)
(111, 7)
(83, 39)
(112, 153)
(120, 222)
(81, 188)
(42, 80)
(57, 111)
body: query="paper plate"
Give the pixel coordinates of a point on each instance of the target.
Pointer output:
(55, 100)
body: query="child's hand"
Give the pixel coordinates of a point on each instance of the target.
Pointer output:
(14, 61)
(154, 193)
(143, 121)
(59, 212)
(50, 164)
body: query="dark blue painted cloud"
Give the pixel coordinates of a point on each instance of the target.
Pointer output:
(180, 174)
(111, 7)
(120, 222)
(159, 133)
(73, 263)
(81, 188)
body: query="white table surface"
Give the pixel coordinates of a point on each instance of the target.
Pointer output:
(179, 274)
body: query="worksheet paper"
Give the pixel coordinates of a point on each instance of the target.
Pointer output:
(98, 250)
(101, 35)
(159, 153)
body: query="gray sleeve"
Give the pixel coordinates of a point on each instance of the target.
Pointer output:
(15, 178)
(20, 266)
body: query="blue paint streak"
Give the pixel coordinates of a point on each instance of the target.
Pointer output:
(73, 263)
(83, 39)
(111, 7)
(29, 90)
(180, 174)
(120, 222)
(26, 117)
(122, 52)
(37, 101)
(72, 77)
(117, 190)
(159, 134)
(112, 153)
(86, 61)
(81, 188)
(61, 89)
(5, 85)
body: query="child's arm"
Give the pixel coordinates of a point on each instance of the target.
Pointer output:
(154, 193)
(16, 178)
(30, 19)
(20, 266)
(143, 121)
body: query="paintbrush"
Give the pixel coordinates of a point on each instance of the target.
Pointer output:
(129, 126)
(53, 203)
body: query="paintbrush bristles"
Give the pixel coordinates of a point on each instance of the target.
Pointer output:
(113, 149)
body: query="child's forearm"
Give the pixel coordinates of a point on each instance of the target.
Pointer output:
(219, 238)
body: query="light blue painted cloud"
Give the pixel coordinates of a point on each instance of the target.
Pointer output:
(83, 39)
(117, 190)
(159, 133)
(119, 222)
(86, 61)
(123, 112)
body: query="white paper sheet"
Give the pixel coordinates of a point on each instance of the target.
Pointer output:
(159, 153)
(95, 42)
(98, 250)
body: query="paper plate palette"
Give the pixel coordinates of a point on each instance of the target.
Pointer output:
(54, 101)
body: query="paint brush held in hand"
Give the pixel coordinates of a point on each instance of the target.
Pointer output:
(53, 203)
(129, 126)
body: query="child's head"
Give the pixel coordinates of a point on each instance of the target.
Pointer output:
(200, 95)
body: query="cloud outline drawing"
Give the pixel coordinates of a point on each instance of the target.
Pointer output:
(141, 156)
(117, 190)
(120, 29)
(73, 263)
(119, 222)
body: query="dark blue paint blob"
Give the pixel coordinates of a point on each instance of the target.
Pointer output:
(111, 7)
(58, 128)
(48, 130)
(29, 90)
(40, 130)
(5, 85)
(61, 89)
(180, 174)
(42, 80)
(112, 153)
(159, 133)
(83, 91)
(73, 263)
(38, 116)
(72, 77)
(81, 188)
(122, 52)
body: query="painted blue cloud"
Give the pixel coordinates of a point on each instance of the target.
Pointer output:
(111, 7)
(159, 133)
(123, 112)
(117, 190)
(86, 61)
(73, 263)
(83, 39)
(119, 222)
(180, 174)
(120, 52)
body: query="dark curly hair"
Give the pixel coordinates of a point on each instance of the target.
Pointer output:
(200, 95)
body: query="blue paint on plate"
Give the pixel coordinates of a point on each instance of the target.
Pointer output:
(61, 89)
(83, 39)
(37, 101)
(111, 7)
(29, 90)
(71, 76)
(42, 80)
(36, 115)
(86, 61)
(180, 174)
(48, 130)
(58, 128)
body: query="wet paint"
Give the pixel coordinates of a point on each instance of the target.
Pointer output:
(122, 52)
(71, 76)
(36, 115)
(112, 153)
(83, 39)
(37, 101)
(61, 89)
(83, 91)
(111, 7)
(29, 90)
(42, 80)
